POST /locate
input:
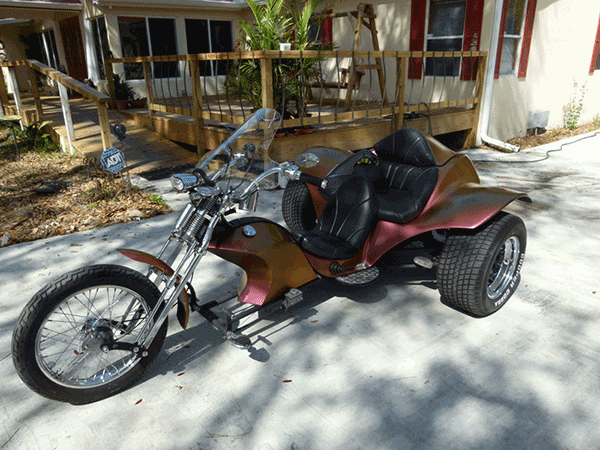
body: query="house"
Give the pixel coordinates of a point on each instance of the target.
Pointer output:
(542, 52)
(547, 51)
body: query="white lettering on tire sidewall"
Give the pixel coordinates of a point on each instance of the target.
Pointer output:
(511, 287)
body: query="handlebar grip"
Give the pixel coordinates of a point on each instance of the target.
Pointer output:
(304, 177)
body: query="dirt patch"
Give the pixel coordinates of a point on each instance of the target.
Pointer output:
(553, 135)
(88, 197)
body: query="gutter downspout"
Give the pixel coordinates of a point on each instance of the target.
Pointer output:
(488, 89)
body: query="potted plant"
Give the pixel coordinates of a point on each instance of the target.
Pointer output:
(124, 93)
(273, 26)
(138, 102)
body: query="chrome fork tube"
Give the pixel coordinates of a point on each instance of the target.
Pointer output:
(167, 304)
(195, 252)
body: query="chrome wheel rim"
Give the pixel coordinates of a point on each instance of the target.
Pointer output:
(71, 346)
(504, 267)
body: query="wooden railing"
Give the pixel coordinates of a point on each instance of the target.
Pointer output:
(64, 82)
(186, 84)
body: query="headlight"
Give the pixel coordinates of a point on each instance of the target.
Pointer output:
(183, 181)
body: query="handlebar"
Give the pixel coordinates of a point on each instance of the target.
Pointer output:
(306, 178)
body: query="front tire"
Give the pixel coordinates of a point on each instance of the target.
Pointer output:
(60, 342)
(479, 271)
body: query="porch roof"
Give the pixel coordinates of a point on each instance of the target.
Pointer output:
(72, 5)
(182, 4)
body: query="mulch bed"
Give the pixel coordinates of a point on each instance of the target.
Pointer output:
(556, 134)
(87, 197)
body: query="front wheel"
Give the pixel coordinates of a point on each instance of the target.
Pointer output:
(62, 342)
(479, 271)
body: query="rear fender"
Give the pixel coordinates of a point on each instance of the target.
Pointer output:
(458, 201)
(183, 303)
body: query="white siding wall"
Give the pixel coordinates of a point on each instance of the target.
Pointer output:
(561, 51)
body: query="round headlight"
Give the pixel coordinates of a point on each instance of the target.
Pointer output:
(184, 181)
(177, 183)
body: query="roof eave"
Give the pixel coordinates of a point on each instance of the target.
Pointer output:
(181, 4)
(56, 6)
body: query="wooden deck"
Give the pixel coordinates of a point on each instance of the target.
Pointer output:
(145, 150)
(353, 135)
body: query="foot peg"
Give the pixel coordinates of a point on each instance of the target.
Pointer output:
(423, 261)
(238, 340)
(361, 277)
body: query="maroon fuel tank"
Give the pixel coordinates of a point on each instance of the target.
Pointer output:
(273, 263)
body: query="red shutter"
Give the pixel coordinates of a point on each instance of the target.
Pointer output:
(327, 28)
(473, 21)
(418, 11)
(501, 39)
(526, 42)
(596, 50)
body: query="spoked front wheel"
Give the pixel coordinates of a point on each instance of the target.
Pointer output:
(74, 340)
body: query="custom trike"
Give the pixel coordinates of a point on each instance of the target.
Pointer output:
(94, 331)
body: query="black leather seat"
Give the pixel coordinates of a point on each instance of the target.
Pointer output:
(346, 222)
(408, 175)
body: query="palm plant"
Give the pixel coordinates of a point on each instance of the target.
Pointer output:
(273, 26)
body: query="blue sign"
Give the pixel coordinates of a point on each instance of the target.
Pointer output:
(113, 160)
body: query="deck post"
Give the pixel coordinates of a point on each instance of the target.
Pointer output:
(110, 83)
(104, 124)
(266, 72)
(197, 105)
(3, 91)
(14, 87)
(66, 110)
(400, 88)
(149, 92)
(471, 140)
(33, 79)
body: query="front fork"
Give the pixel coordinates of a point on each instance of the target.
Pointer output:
(184, 234)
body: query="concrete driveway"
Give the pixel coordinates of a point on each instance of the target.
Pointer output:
(385, 367)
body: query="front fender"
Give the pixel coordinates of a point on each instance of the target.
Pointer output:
(183, 303)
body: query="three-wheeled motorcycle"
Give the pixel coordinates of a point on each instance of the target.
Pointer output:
(94, 331)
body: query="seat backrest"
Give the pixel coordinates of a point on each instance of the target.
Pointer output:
(350, 214)
(406, 146)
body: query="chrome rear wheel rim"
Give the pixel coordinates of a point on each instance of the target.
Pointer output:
(504, 267)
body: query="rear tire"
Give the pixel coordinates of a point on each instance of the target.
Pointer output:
(59, 343)
(479, 271)
(298, 208)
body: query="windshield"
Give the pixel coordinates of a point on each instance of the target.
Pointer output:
(252, 140)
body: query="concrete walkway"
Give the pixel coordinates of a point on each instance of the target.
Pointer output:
(384, 367)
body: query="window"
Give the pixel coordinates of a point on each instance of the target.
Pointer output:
(513, 32)
(100, 44)
(209, 36)
(451, 25)
(515, 39)
(148, 37)
(134, 42)
(445, 33)
(49, 51)
(163, 41)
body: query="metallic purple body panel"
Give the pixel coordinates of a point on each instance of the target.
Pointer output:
(273, 262)
(459, 200)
